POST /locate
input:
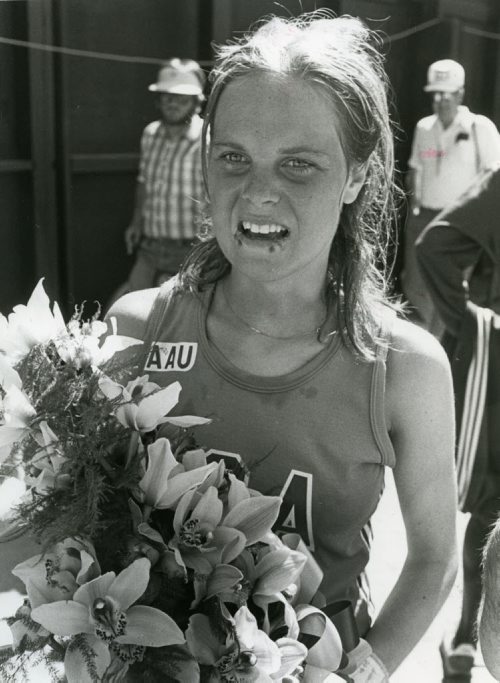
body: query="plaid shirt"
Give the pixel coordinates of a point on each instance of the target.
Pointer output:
(172, 177)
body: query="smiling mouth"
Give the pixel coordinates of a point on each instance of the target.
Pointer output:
(269, 232)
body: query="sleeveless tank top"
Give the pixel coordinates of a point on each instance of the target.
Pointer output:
(316, 436)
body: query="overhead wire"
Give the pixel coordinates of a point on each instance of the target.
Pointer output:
(138, 59)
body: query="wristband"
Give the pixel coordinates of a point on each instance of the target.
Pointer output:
(364, 666)
(372, 670)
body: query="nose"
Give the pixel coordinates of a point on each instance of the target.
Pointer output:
(260, 189)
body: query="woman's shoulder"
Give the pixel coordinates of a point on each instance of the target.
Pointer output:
(417, 365)
(409, 338)
(132, 311)
(413, 348)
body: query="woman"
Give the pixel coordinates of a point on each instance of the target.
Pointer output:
(278, 327)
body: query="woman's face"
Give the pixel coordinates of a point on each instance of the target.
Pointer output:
(277, 176)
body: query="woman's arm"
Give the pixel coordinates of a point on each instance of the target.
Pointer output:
(489, 615)
(420, 416)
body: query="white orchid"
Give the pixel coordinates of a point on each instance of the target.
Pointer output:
(103, 615)
(26, 633)
(144, 404)
(252, 658)
(30, 324)
(205, 536)
(165, 480)
(57, 574)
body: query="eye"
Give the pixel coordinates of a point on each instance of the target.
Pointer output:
(298, 165)
(233, 158)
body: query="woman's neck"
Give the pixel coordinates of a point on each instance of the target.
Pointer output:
(275, 308)
(266, 330)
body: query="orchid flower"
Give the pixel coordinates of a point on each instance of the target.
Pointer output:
(200, 539)
(26, 633)
(165, 481)
(56, 575)
(204, 537)
(29, 325)
(250, 658)
(81, 346)
(102, 614)
(18, 415)
(252, 640)
(145, 405)
(269, 572)
(195, 459)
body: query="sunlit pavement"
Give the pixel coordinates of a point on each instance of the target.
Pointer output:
(422, 666)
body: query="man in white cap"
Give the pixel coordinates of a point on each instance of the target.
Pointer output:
(449, 149)
(169, 190)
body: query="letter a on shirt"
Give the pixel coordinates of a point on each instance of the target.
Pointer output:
(296, 509)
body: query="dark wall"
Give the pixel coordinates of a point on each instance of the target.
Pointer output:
(17, 258)
(105, 105)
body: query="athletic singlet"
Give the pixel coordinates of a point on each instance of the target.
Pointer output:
(316, 436)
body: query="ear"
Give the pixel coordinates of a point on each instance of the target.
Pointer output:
(354, 183)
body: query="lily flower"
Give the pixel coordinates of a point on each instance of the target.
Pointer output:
(102, 616)
(18, 415)
(81, 346)
(58, 574)
(145, 405)
(8, 375)
(31, 324)
(165, 481)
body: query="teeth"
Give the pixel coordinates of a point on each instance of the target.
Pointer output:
(263, 229)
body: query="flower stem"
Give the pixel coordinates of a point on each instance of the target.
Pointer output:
(132, 448)
(56, 646)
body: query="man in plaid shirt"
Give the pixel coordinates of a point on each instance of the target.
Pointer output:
(169, 191)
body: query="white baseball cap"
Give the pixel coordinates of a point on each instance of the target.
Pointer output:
(177, 81)
(446, 75)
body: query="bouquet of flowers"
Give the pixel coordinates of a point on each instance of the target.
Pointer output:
(156, 563)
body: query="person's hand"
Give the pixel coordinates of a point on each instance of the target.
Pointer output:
(132, 237)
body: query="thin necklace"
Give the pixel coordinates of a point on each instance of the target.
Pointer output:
(315, 332)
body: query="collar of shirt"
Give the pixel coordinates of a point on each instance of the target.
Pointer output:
(461, 123)
(191, 132)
